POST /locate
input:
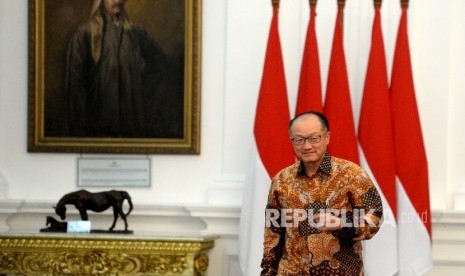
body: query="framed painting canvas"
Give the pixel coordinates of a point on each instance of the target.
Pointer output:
(109, 76)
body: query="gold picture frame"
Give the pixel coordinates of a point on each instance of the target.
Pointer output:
(64, 115)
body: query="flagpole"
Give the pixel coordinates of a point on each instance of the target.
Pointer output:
(342, 3)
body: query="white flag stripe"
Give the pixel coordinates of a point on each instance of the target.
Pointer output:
(413, 237)
(253, 221)
(380, 253)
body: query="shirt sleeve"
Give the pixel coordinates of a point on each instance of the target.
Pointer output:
(368, 209)
(274, 235)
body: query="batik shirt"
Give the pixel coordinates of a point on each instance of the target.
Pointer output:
(294, 245)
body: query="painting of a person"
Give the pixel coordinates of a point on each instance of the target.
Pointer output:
(113, 68)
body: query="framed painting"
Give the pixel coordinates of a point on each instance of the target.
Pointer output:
(110, 76)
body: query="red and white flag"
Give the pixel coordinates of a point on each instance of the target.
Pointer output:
(414, 217)
(376, 141)
(273, 151)
(309, 94)
(338, 107)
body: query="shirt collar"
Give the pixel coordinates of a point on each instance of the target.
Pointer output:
(325, 166)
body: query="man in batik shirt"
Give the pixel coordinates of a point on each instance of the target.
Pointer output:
(319, 209)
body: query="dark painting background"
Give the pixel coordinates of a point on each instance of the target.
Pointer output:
(163, 19)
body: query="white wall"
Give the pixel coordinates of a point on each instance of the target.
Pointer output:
(234, 39)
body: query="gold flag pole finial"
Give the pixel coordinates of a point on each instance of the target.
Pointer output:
(313, 2)
(378, 3)
(342, 3)
(275, 3)
(404, 3)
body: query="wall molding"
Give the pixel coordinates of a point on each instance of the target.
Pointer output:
(448, 243)
(222, 221)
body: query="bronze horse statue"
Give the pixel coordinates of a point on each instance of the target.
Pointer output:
(97, 202)
(54, 225)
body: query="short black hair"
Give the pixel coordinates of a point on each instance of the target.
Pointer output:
(319, 115)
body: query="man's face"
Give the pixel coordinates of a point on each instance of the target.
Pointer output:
(312, 149)
(114, 7)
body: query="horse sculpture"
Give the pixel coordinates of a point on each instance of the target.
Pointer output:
(97, 202)
(54, 225)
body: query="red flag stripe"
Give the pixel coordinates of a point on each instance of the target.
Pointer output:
(338, 107)
(272, 115)
(309, 94)
(375, 125)
(411, 162)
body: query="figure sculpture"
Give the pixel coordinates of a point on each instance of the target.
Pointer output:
(97, 202)
(54, 225)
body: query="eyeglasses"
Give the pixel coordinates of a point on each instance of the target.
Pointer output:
(299, 141)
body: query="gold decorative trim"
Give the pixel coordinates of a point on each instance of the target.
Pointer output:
(88, 256)
(201, 263)
(49, 33)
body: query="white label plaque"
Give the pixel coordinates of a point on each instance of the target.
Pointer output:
(106, 172)
(78, 226)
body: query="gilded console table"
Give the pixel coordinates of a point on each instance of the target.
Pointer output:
(102, 254)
